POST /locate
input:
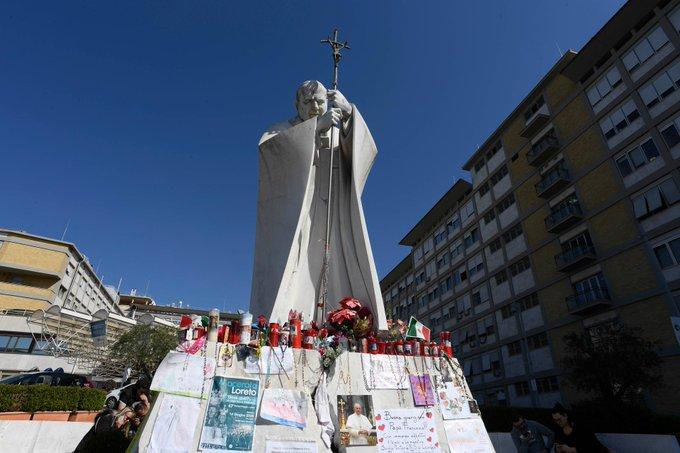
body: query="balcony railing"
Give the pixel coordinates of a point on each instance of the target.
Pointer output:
(552, 182)
(541, 151)
(588, 300)
(563, 217)
(575, 257)
(23, 289)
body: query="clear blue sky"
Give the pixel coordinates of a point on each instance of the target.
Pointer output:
(139, 121)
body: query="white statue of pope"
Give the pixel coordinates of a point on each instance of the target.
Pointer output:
(292, 210)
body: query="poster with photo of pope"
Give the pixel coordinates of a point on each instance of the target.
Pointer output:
(355, 415)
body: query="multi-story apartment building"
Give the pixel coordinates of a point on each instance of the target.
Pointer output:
(571, 222)
(49, 295)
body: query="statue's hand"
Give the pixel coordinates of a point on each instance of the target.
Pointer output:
(329, 119)
(336, 99)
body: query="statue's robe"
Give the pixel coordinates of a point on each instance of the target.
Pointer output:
(291, 221)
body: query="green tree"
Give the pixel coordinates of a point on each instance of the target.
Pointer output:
(617, 365)
(143, 347)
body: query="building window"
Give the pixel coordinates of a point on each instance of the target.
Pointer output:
(500, 174)
(508, 311)
(656, 199)
(456, 249)
(420, 278)
(475, 265)
(644, 49)
(674, 17)
(480, 295)
(460, 276)
(547, 385)
(489, 216)
(443, 260)
(501, 277)
(446, 285)
(440, 237)
(668, 253)
(495, 245)
(527, 302)
(591, 288)
(665, 83)
(483, 189)
(638, 157)
(670, 134)
(522, 388)
(514, 348)
(468, 210)
(604, 86)
(520, 266)
(619, 119)
(537, 341)
(535, 107)
(427, 246)
(471, 237)
(493, 151)
(15, 343)
(506, 202)
(479, 165)
(453, 225)
(512, 233)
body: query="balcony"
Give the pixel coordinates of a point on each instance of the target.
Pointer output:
(588, 301)
(542, 150)
(535, 123)
(563, 218)
(552, 182)
(575, 257)
(28, 291)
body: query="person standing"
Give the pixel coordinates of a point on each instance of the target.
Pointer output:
(527, 435)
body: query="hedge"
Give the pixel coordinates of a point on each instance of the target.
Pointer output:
(33, 398)
(597, 417)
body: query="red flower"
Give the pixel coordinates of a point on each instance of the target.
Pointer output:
(350, 303)
(364, 312)
(323, 333)
(261, 321)
(341, 316)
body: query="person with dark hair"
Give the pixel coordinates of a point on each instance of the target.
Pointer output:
(572, 437)
(133, 393)
(527, 435)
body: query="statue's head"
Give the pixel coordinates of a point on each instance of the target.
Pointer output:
(311, 100)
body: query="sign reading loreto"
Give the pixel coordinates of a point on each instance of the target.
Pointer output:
(230, 417)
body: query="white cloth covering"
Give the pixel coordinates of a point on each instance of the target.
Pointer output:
(291, 221)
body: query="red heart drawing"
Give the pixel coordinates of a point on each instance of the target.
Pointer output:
(429, 439)
(381, 427)
(431, 430)
(428, 414)
(380, 440)
(437, 444)
(378, 417)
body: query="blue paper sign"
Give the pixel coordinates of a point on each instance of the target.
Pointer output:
(230, 417)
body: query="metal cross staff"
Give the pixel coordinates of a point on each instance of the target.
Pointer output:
(336, 46)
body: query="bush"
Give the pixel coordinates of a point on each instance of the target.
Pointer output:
(33, 398)
(597, 416)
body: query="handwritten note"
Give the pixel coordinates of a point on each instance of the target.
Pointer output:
(271, 361)
(385, 371)
(468, 436)
(452, 402)
(184, 374)
(411, 430)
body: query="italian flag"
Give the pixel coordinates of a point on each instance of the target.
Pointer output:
(417, 329)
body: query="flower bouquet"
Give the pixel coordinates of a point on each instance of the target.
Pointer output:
(351, 319)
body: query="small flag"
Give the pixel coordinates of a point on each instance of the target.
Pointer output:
(417, 329)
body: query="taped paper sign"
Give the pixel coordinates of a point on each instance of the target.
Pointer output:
(452, 402)
(183, 374)
(468, 436)
(271, 361)
(230, 417)
(290, 446)
(173, 431)
(284, 407)
(421, 386)
(384, 371)
(406, 430)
